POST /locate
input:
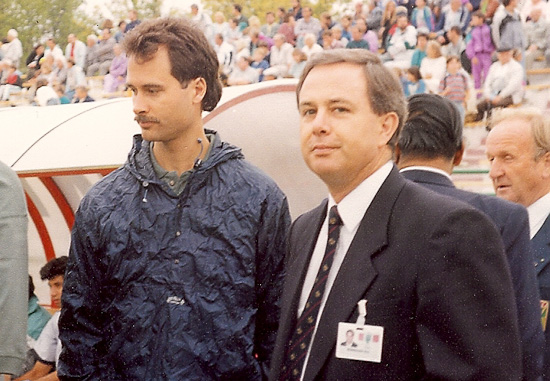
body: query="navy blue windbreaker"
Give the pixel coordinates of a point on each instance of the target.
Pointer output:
(167, 287)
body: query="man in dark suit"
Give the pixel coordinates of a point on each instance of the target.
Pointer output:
(429, 146)
(518, 148)
(425, 273)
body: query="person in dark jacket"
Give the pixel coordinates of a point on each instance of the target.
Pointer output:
(176, 258)
(429, 146)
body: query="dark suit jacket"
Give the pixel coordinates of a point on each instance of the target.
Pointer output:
(541, 252)
(434, 275)
(513, 223)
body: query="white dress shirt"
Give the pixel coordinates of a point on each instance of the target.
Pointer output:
(351, 210)
(538, 212)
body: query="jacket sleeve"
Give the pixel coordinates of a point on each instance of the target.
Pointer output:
(466, 318)
(13, 272)
(271, 251)
(81, 324)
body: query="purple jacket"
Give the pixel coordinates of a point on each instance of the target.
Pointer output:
(480, 42)
(118, 66)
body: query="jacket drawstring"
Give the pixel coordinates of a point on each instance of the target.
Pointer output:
(145, 185)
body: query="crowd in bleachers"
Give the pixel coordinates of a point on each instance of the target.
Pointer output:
(449, 47)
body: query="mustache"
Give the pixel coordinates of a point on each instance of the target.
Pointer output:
(145, 119)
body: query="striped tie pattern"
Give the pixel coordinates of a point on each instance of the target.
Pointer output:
(301, 338)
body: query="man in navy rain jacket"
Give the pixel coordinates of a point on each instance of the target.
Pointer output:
(176, 259)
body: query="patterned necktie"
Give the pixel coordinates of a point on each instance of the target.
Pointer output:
(301, 338)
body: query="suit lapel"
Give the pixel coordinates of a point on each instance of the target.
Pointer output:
(541, 246)
(356, 273)
(302, 242)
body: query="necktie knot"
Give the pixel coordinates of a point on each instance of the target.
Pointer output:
(333, 217)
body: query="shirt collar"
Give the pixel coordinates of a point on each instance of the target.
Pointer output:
(538, 212)
(353, 207)
(428, 169)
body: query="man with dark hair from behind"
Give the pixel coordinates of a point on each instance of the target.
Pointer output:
(48, 346)
(429, 146)
(176, 260)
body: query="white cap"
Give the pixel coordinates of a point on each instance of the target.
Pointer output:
(12, 33)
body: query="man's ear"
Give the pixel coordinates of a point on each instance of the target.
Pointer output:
(390, 122)
(459, 155)
(199, 86)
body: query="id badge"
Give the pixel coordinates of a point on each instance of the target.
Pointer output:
(359, 341)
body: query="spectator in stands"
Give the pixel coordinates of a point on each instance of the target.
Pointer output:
(287, 29)
(134, 20)
(329, 42)
(506, 27)
(345, 23)
(225, 53)
(220, 26)
(310, 44)
(13, 272)
(337, 35)
(280, 58)
(401, 45)
(33, 60)
(530, 5)
(374, 16)
(242, 74)
(359, 12)
(503, 85)
(454, 86)
(325, 20)
(10, 82)
(45, 94)
(119, 35)
(281, 12)
(242, 20)
(368, 35)
(60, 90)
(59, 71)
(259, 63)
(389, 18)
(306, 25)
(422, 17)
(104, 55)
(420, 50)
(357, 41)
(75, 77)
(433, 66)
(299, 60)
(81, 95)
(480, 48)
(455, 14)
(296, 9)
(76, 50)
(48, 345)
(91, 51)
(53, 49)
(12, 51)
(233, 33)
(413, 84)
(536, 32)
(271, 27)
(116, 77)
(456, 44)
(203, 21)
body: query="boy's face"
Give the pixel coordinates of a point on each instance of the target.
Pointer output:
(422, 42)
(453, 66)
(477, 21)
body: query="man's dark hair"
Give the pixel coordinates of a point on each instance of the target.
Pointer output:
(433, 128)
(54, 268)
(238, 7)
(31, 287)
(191, 55)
